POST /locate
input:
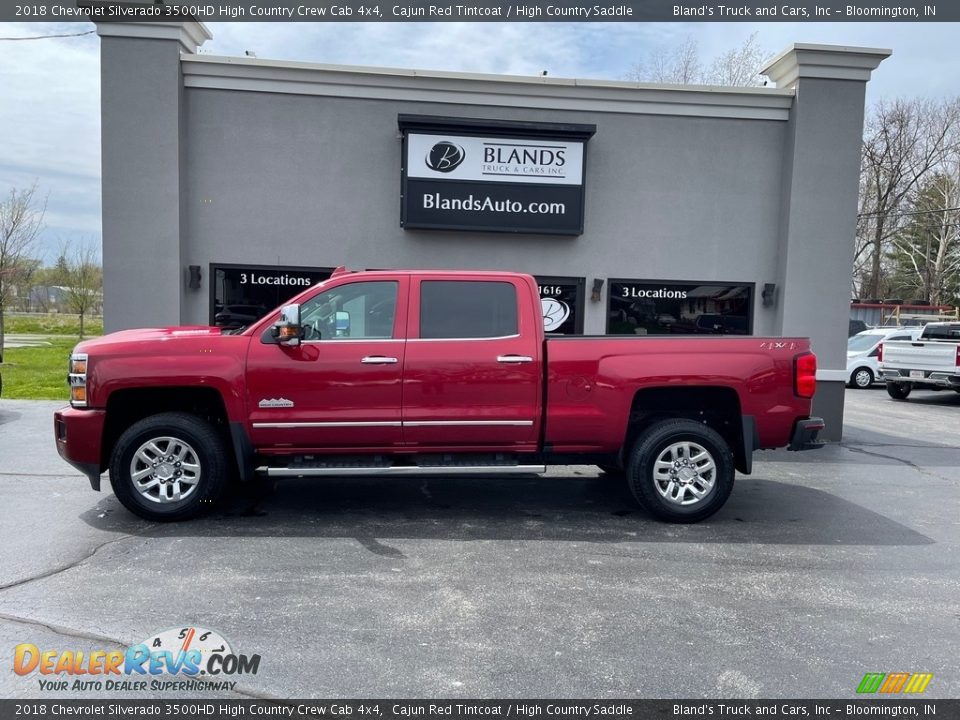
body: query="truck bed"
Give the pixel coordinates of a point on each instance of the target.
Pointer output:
(592, 379)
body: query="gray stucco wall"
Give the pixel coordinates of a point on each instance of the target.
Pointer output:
(301, 180)
(141, 150)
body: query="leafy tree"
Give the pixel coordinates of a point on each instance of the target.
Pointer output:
(81, 276)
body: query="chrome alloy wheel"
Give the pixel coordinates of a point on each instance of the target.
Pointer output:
(165, 470)
(863, 378)
(684, 473)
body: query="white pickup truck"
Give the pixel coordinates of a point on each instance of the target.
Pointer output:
(932, 361)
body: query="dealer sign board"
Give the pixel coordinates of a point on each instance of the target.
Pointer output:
(495, 176)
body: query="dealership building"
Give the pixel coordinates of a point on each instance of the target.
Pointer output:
(230, 184)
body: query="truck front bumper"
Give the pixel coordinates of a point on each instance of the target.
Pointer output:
(805, 434)
(79, 434)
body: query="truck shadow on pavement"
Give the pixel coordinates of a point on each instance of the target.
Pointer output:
(566, 508)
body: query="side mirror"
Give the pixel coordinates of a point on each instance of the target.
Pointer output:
(288, 330)
(342, 323)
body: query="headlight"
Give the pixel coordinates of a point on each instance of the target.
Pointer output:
(77, 378)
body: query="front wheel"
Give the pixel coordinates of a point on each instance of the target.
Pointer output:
(898, 391)
(167, 467)
(681, 471)
(861, 378)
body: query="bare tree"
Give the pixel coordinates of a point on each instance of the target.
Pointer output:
(81, 276)
(21, 220)
(740, 66)
(681, 65)
(670, 65)
(903, 142)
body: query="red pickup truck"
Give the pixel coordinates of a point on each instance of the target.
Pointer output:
(429, 373)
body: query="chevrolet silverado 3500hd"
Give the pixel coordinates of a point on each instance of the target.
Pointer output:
(432, 373)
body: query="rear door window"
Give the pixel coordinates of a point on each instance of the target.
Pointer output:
(467, 309)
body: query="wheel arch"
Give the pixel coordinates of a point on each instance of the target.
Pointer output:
(129, 405)
(718, 407)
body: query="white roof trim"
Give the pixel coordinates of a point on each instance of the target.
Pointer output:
(255, 75)
(834, 62)
(190, 35)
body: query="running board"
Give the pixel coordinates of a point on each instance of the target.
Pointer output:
(402, 470)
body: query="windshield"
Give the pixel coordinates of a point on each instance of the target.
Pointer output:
(859, 343)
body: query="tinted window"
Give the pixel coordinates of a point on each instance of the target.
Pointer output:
(941, 332)
(459, 309)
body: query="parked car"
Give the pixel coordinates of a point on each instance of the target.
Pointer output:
(238, 316)
(931, 361)
(862, 353)
(857, 326)
(432, 373)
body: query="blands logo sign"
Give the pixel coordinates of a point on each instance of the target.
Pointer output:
(445, 157)
(492, 175)
(477, 159)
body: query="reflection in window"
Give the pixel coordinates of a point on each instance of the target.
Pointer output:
(360, 310)
(652, 308)
(241, 294)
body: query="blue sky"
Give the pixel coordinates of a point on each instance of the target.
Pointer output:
(49, 114)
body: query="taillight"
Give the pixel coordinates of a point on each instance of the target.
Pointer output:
(958, 355)
(880, 353)
(805, 375)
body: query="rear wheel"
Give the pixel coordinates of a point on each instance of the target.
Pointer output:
(898, 391)
(861, 378)
(681, 471)
(171, 466)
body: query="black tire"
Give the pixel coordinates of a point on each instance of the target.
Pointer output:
(200, 445)
(861, 378)
(898, 391)
(650, 485)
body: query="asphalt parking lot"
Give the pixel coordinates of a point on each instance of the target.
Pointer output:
(822, 566)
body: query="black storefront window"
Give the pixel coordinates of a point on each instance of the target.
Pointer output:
(561, 299)
(242, 294)
(648, 307)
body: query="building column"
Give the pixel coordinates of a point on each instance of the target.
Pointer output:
(819, 193)
(142, 151)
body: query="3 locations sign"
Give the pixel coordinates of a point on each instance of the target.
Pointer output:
(242, 294)
(464, 174)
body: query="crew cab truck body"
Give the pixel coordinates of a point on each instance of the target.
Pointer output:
(931, 362)
(393, 373)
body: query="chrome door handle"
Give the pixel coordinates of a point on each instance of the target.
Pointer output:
(514, 359)
(378, 360)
